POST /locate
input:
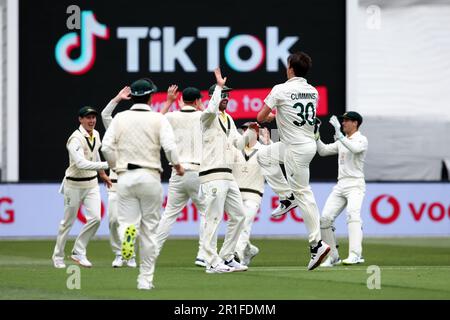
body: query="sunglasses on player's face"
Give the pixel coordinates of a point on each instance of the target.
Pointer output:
(224, 95)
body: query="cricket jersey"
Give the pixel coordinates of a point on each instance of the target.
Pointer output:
(296, 105)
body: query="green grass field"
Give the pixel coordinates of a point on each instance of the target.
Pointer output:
(410, 269)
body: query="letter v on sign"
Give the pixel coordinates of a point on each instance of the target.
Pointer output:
(417, 214)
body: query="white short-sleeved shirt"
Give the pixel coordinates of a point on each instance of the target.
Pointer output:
(296, 104)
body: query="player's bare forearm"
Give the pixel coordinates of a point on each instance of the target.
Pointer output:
(265, 115)
(179, 169)
(172, 95)
(105, 178)
(102, 174)
(219, 79)
(165, 107)
(124, 94)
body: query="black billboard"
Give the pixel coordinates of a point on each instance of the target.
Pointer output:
(78, 53)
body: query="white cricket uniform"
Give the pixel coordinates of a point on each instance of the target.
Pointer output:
(80, 186)
(114, 237)
(250, 180)
(188, 136)
(132, 146)
(217, 184)
(348, 192)
(296, 104)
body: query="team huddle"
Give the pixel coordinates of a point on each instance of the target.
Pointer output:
(220, 168)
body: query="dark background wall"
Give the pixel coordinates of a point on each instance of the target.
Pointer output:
(50, 97)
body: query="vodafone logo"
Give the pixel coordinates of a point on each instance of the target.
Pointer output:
(385, 209)
(82, 217)
(385, 217)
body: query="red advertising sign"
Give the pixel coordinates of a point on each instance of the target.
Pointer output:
(244, 103)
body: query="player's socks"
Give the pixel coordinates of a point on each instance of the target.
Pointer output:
(355, 238)
(329, 237)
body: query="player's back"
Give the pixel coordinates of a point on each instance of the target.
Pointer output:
(296, 104)
(188, 134)
(138, 138)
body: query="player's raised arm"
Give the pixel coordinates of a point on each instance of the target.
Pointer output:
(124, 94)
(172, 95)
(240, 141)
(109, 145)
(214, 102)
(355, 146)
(322, 148)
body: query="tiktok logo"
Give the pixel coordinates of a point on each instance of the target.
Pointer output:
(90, 30)
(232, 53)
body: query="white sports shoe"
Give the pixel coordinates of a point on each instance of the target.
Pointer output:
(318, 253)
(143, 285)
(81, 260)
(219, 268)
(118, 262)
(353, 259)
(331, 262)
(236, 265)
(249, 253)
(132, 263)
(200, 262)
(58, 263)
(284, 207)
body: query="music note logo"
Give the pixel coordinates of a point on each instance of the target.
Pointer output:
(90, 30)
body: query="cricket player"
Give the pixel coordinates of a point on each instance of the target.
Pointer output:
(250, 181)
(217, 184)
(188, 137)
(132, 146)
(296, 104)
(114, 237)
(80, 186)
(350, 189)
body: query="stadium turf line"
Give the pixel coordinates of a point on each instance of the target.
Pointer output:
(410, 269)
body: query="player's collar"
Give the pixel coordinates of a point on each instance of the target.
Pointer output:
(356, 134)
(227, 122)
(141, 107)
(89, 139)
(85, 133)
(297, 79)
(188, 108)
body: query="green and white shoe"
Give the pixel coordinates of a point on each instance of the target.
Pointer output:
(128, 243)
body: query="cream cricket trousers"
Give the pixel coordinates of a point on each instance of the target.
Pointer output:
(73, 199)
(114, 237)
(296, 159)
(180, 189)
(251, 208)
(220, 196)
(140, 198)
(269, 159)
(347, 193)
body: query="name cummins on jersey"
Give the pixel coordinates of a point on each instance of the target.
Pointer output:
(296, 104)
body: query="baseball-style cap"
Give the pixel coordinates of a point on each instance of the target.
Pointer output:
(142, 87)
(191, 94)
(352, 115)
(245, 125)
(86, 111)
(224, 89)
